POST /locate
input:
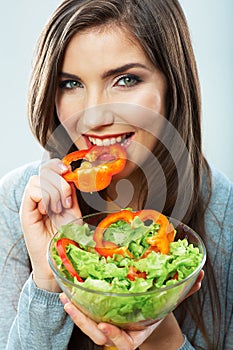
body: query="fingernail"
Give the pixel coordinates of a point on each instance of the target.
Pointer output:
(64, 299)
(63, 167)
(70, 309)
(105, 331)
(68, 202)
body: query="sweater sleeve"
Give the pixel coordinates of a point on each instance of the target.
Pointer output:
(186, 345)
(41, 322)
(30, 318)
(228, 268)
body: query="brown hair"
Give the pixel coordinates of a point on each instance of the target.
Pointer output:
(160, 27)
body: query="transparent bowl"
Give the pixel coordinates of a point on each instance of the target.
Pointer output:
(128, 311)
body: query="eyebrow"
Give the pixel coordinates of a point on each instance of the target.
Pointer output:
(122, 69)
(68, 76)
(108, 73)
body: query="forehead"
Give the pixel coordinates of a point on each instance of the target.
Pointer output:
(109, 42)
(111, 31)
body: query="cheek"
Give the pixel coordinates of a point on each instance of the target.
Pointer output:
(61, 111)
(146, 110)
(154, 101)
(68, 116)
(146, 114)
(66, 107)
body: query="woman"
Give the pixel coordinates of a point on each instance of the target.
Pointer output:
(115, 71)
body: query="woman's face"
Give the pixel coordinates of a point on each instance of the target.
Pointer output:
(107, 90)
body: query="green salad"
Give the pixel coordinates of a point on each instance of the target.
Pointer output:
(124, 257)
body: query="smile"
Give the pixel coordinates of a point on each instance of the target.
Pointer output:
(122, 139)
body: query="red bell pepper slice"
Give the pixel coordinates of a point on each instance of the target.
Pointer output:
(176, 276)
(133, 273)
(62, 243)
(149, 250)
(93, 174)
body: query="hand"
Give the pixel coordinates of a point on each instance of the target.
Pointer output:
(149, 338)
(197, 284)
(48, 202)
(105, 333)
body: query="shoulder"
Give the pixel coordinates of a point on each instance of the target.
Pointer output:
(222, 193)
(12, 184)
(220, 208)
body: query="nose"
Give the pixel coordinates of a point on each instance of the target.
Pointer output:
(98, 116)
(97, 112)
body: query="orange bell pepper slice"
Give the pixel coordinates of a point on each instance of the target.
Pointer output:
(166, 232)
(94, 174)
(106, 248)
(158, 243)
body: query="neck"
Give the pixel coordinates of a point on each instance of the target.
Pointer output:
(125, 193)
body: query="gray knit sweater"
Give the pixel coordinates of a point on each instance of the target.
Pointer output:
(34, 319)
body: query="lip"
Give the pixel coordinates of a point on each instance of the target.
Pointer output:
(104, 140)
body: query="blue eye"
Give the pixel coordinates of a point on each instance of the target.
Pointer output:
(129, 80)
(70, 84)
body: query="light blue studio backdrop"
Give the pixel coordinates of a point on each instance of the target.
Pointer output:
(211, 28)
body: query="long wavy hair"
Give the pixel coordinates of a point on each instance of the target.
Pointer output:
(161, 29)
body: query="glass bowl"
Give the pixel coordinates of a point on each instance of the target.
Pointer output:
(131, 310)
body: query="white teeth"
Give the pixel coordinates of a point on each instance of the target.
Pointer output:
(107, 141)
(92, 140)
(99, 142)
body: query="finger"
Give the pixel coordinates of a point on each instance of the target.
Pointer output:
(35, 197)
(32, 195)
(51, 196)
(139, 336)
(117, 336)
(51, 172)
(59, 189)
(87, 325)
(31, 210)
(55, 165)
(42, 209)
(197, 284)
(70, 214)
